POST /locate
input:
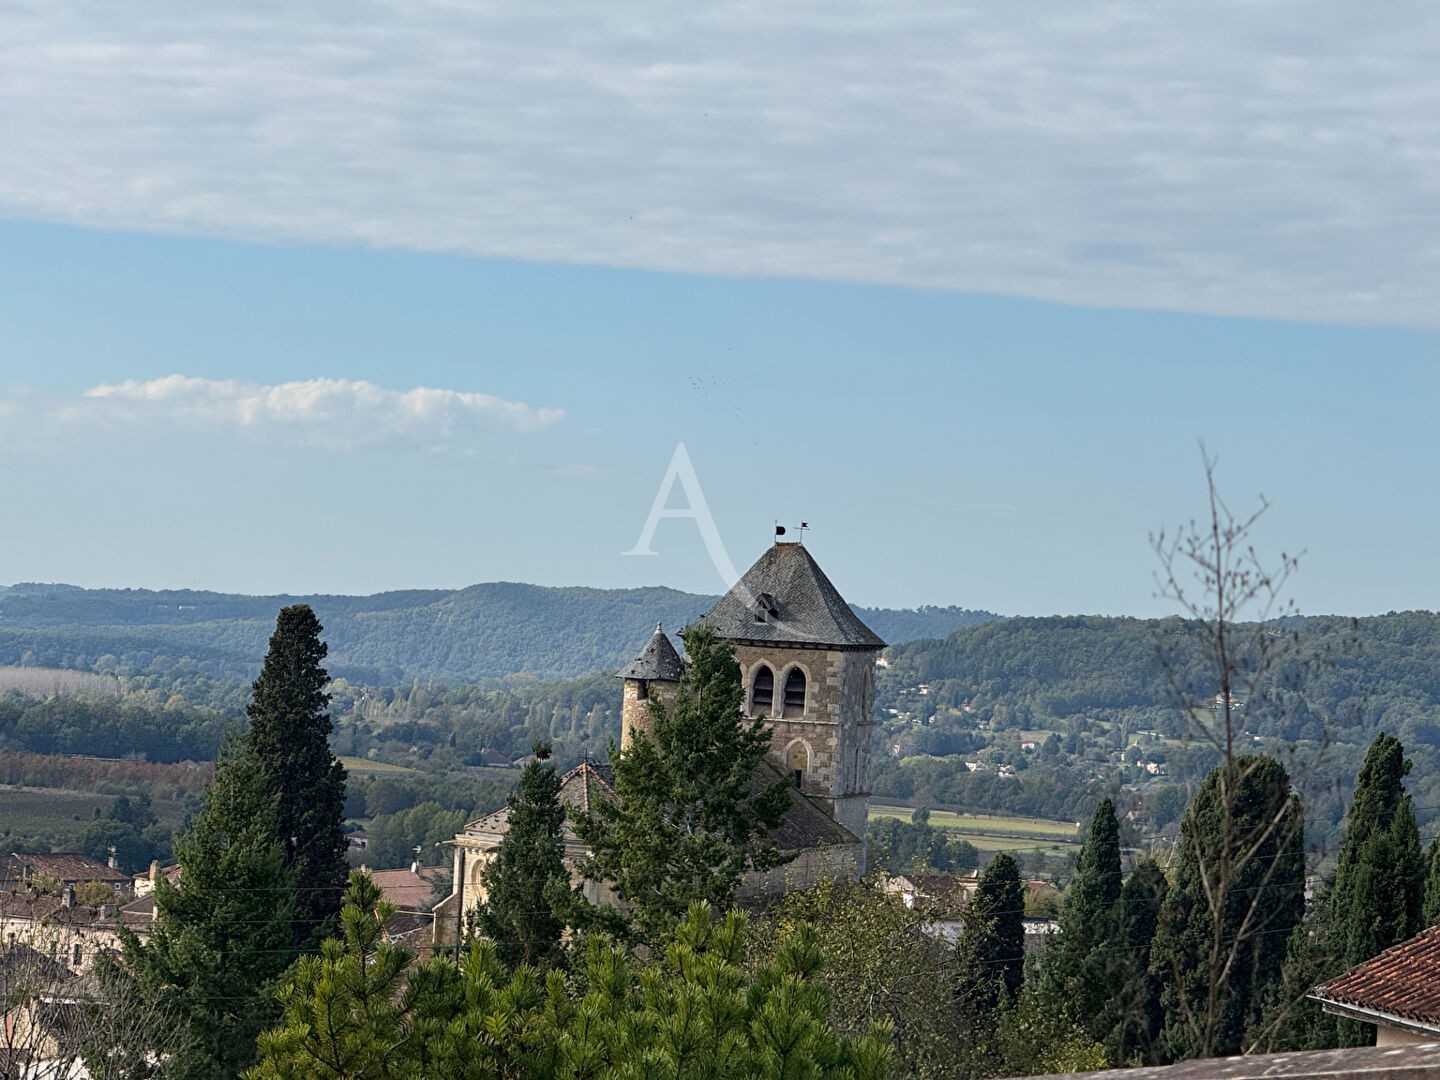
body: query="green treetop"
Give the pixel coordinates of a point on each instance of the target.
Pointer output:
(691, 812)
(994, 940)
(527, 888)
(289, 737)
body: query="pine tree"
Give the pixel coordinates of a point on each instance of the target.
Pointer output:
(994, 938)
(527, 888)
(224, 935)
(692, 811)
(343, 1013)
(289, 736)
(1238, 894)
(1078, 966)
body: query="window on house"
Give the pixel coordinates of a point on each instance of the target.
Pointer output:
(762, 690)
(75, 955)
(794, 693)
(642, 692)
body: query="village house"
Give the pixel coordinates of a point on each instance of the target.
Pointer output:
(807, 664)
(26, 868)
(1397, 991)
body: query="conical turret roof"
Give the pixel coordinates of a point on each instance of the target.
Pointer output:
(785, 598)
(658, 660)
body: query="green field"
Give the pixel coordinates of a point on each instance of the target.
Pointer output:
(362, 765)
(42, 811)
(991, 832)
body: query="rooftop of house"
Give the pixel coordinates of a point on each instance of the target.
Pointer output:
(658, 660)
(409, 889)
(1401, 985)
(1419, 1062)
(69, 866)
(52, 910)
(786, 599)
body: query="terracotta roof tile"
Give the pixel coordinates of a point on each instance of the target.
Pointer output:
(1403, 981)
(68, 866)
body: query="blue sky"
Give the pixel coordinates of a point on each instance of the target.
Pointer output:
(979, 365)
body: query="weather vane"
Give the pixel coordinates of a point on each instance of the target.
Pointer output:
(780, 530)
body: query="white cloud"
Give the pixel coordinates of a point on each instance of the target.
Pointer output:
(1274, 159)
(338, 414)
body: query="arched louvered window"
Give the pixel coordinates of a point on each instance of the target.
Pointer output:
(762, 690)
(794, 693)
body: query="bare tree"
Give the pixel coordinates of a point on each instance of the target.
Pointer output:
(1240, 879)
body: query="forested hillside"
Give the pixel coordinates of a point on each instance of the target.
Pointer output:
(484, 631)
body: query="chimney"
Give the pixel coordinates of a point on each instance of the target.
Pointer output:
(154, 869)
(112, 861)
(415, 867)
(67, 898)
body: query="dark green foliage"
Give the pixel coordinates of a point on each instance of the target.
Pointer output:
(1081, 963)
(223, 937)
(289, 737)
(527, 888)
(1378, 893)
(993, 945)
(1374, 900)
(1238, 893)
(692, 812)
(1431, 913)
(695, 1013)
(1134, 1012)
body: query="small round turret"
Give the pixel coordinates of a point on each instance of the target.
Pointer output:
(654, 675)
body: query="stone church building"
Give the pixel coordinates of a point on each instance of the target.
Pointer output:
(807, 663)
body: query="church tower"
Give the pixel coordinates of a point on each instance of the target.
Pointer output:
(808, 667)
(653, 675)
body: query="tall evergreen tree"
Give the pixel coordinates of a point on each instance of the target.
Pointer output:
(1431, 913)
(1133, 1014)
(692, 810)
(1078, 966)
(527, 888)
(223, 937)
(994, 939)
(1376, 899)
(1238, 894)
(289, 737)
(1378, 895)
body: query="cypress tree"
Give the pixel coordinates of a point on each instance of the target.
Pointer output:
(1133, 1014)
(1376, 899)
(1077, 965)
(1378, 895)
(994, 938)
(1238, 894)
(223, 937)
(526, 883)
(692, 812)
(1431, 913)
(289, 737)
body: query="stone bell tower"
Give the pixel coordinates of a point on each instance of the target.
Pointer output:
(808, 667)
(653, 675)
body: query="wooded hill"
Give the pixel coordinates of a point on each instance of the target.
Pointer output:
(481, 632)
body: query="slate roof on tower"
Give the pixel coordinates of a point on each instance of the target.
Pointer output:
(658, 660)
(786, 599)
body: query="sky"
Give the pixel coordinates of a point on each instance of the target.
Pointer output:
(346, 298)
